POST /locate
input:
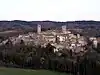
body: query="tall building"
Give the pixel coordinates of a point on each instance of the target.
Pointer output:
(38, 28)
(95, 43)
(64, 29)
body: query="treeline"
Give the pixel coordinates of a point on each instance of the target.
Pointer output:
(37, 57)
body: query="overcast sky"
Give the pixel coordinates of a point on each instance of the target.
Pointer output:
(55, 10)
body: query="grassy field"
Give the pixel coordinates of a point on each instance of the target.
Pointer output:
(13, 71)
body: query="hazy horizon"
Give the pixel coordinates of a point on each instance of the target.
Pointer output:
(52, 10)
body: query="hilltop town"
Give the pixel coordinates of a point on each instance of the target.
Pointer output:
(60, 39)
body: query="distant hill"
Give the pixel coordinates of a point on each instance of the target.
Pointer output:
(18, 24)
(91, 28)
(88, 26)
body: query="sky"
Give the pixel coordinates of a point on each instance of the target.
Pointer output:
(54, 10)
